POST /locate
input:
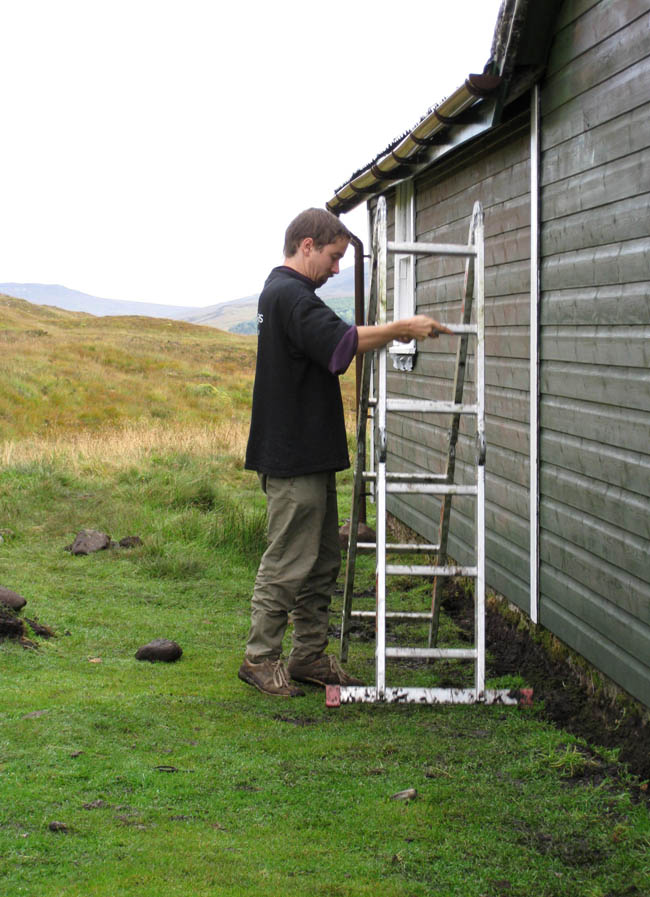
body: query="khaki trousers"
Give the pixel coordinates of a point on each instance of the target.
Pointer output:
(298, 570)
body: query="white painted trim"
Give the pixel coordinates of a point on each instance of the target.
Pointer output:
(404, 270)
(534, 352)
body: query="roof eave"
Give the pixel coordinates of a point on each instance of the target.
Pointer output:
(460, 117)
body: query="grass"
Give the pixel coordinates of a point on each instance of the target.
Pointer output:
(181, 780)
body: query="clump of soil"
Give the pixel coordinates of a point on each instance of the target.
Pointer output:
(566, 700)
(13, 627)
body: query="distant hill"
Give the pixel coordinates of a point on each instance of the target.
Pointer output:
(73, 300)
(236, 315)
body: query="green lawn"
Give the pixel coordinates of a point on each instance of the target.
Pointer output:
(180, 780)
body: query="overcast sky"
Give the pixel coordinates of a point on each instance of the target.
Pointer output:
(155, 150)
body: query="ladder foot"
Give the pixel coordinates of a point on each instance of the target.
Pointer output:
(332, 695)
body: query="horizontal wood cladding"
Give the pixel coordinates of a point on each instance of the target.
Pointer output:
(615, 222)
(595, 577)
(620, 665)
(618, 427)
(588, 150)
(571, 10)
(599, 499)
(621, 548)
(619, 466)
(599, 63)
(617, 96)
(618, 386)
(607, 346)
(596, 22)
(600, 187)
(621, 303)
(611, 623)
(597, 266)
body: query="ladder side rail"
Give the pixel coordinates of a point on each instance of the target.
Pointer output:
(479, 608)
(380, 643)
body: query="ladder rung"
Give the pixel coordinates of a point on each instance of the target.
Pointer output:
(437, 653)
(429, 406)
(392, 615)
(401, 546)
(432, 488)
(407, 477)
(423, 570)
(460, 249)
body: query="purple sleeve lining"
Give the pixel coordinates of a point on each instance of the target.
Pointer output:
(345, 350)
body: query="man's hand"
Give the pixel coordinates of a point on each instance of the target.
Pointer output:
(418, 327)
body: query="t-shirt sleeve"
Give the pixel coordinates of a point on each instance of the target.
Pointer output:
(315, 330)
(344, 352)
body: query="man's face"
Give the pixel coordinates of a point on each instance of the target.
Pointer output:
(324, 263)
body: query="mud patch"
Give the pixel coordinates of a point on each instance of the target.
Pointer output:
(564, 699)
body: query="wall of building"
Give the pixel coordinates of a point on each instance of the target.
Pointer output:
(595, 351)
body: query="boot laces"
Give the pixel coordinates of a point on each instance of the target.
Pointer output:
(280, 675)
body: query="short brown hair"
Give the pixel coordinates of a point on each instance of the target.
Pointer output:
(319, 224)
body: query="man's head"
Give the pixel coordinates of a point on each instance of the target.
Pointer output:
(314, 243)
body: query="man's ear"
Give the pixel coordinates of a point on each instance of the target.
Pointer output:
(307, 245)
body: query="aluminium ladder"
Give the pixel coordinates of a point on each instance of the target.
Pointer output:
(441, 484)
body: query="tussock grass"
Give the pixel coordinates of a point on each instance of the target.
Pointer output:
(119, 447)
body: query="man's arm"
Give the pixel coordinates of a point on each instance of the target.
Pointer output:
(418, 327)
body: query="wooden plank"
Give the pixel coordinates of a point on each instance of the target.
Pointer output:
(572, 10)
(627, 671)
(619, 95)
(610, 56)
(496, 194)
(623, 346)
(623, 387)
(499, 150)
(513, 375)
(426, 448)
(595, 146)
(617, 263)
(500, 218)
(618, 427)
(601, 20)
(597, 498)
(617, 466)
(625, 304)
(622, 549)
(499, 311)
(512, 279)
(612, 182)
(613, 223)
(596, 576)
(517, 246)
(608, 621)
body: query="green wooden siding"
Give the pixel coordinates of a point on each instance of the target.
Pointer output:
(595, 351)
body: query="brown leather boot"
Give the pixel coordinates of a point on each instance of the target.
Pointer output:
(325, 670)
(270, 677)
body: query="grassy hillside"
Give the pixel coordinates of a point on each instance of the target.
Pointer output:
(63, 370)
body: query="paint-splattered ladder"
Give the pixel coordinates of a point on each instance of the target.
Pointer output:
(383, 481)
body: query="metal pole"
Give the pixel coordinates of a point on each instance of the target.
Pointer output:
(533, 389)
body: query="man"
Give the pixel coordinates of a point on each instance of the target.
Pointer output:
(297, 443)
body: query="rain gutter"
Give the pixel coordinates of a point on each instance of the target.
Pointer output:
(457, 119)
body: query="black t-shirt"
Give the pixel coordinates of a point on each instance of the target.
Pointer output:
(297, 424)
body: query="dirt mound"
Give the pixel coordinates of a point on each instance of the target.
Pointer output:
(566, 701)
